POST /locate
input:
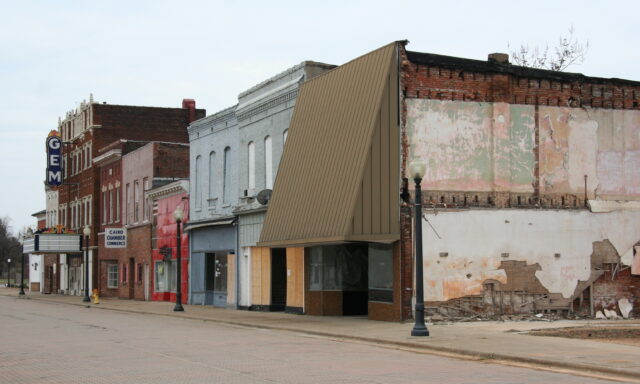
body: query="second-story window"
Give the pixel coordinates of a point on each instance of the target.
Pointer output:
(268, 163)
(117, 204)
(89, 211)
(136, 201)
(226, 177)
(104, 207)
(89, 155)
(127, 204)
(111, 205)
(252, 165)
(145, 203)
(80, 214)
(198, 191)
(212, 175)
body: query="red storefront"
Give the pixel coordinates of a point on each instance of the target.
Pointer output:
(164, 241)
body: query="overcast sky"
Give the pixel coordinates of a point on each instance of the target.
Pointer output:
(155, 53)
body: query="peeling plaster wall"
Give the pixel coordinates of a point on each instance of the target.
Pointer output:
(474, 146)
(475, 240)
(603, 144)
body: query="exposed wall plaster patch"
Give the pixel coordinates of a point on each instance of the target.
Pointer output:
(532, 236)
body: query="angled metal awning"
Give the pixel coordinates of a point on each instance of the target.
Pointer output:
(210, 223)
(338, 178)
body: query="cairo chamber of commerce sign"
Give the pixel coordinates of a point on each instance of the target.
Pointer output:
(115, 238)
(54, 159)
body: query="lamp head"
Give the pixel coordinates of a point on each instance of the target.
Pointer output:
(417, 167)
(178, 214)
(86, 231)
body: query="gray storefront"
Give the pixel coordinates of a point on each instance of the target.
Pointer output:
(213, 255)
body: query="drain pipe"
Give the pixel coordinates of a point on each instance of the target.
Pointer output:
(237, 262)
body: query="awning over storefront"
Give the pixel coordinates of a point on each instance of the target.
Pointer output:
(209, 223)
(338, 178)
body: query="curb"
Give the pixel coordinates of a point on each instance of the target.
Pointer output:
(549, 365)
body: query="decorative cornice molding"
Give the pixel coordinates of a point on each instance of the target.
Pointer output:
(171, 189)
(218, 118)
(268, 104)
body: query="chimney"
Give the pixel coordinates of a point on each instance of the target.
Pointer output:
(499, 58)
(190, 104)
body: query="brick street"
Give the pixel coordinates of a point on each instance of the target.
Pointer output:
(52, 343)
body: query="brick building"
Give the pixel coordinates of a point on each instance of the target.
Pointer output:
(125, 272)
(84, 131)
(531, 191)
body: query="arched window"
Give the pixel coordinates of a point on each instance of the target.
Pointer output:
(252, 165)
(198, 185)
(226, 193)
(212, 175)
(268, 163)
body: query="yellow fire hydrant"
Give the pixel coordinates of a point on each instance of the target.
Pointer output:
(96, 296)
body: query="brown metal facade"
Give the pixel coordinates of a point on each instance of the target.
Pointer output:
(338, 179)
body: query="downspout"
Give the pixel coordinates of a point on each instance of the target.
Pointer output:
(237, 262)
(190, 298)
(400, 175)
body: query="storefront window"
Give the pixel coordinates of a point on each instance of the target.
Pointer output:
(380, 272)
(315, 266)
(165, 276)
(160, 279)
(220, 284)
(338, 267)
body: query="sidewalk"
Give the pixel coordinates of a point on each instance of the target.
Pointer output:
(498, 341)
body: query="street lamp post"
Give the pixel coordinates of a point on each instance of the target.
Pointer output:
(418, 168)
(9, 274)
(178, 214)
(28, 235)
(86, 232)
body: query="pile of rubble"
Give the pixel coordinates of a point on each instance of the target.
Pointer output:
(444, 314)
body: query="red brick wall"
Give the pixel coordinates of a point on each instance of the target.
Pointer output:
(139, 251)
(516, 85)
(108, 256)
(171, 160)
(607, 290)
(406, 260)
(141, 123)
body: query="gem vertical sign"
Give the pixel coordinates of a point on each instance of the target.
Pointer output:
(54, 159)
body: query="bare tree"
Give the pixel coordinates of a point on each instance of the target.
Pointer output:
(9, 247)
(568, 51)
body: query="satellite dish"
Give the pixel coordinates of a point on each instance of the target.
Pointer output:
(264, 196)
